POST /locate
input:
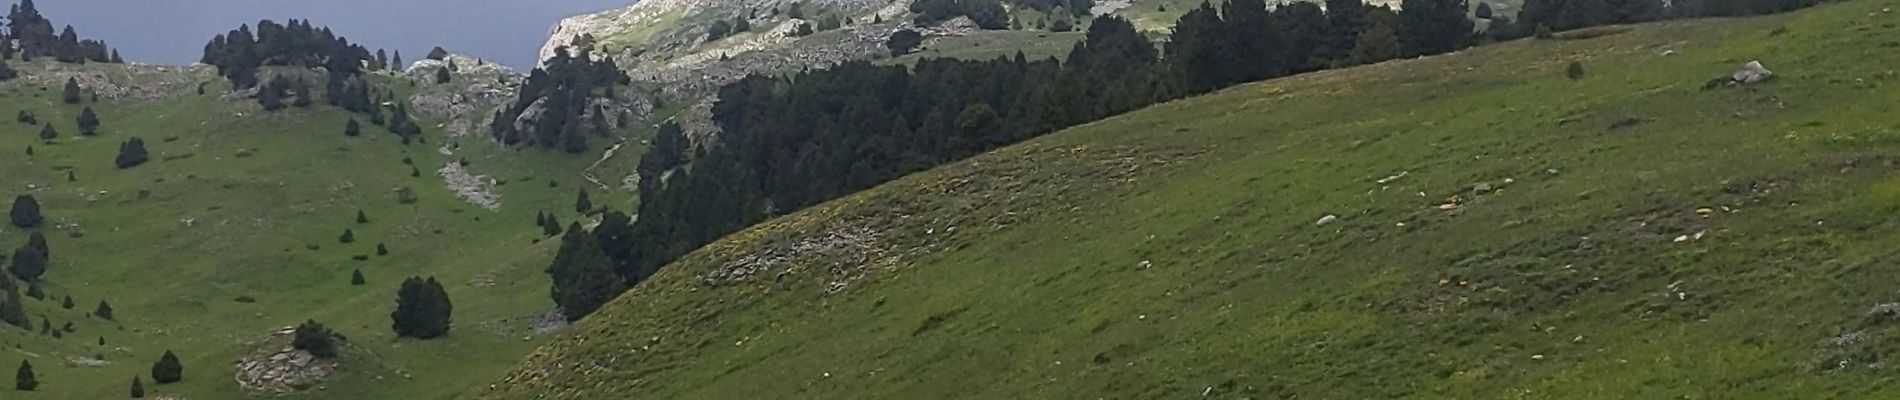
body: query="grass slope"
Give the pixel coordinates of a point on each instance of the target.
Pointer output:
(173, 243)
(1174, 252)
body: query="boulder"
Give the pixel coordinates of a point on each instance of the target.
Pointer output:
(1751, 73)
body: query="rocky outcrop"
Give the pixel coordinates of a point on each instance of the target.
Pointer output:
(655, 17)
(474, 189)
(276, 367)
(475, 89)
(134, 82)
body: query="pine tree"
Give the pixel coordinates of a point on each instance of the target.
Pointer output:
(104, 311)
(582, 204)
(356, 278)
(442, 76)
(71, 95)
(305, 94)
(396, 61)
(271, 96)
(352, 128)
(26, 211)
(313, 337)
(115, 57)
(88, 122)
(47, 133)
(1380, 40)
(29, 263)
(7, 72)
(67, 303)
(168, 369)
(361, 218)
(347, 237)
(583, 275)
(24, 380)
(381, 250)
(1575, 71)
(552, 227)
(422, 309)
(1429, 27)
(13, 310)
(131, 153)
(138, 388)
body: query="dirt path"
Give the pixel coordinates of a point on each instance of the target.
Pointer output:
(608, 155)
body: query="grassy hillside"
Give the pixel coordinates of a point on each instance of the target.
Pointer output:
(1499, 231)
(231, 231)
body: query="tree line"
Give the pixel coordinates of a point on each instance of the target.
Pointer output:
(563, 93)
(33, 35)
(238, 54)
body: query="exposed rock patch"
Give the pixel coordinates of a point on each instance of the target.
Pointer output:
(276, 367)
(474, 189)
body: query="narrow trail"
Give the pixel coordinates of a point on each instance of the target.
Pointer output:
(588, 173)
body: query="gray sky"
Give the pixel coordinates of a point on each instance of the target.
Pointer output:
(175, 31)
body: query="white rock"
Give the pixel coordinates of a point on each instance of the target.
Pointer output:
(1329, 218)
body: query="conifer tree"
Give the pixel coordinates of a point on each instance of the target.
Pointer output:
(131, 153)
(23, 380)
(88, 122)
(26, 211)
(71, 95)
(47, 132)
(583, 275)
(313, 337)
(168, 369)
(347, 237)
(7, 72)
(422, 309)
(361, 218)
(104, 311)
(356, 278)
(582, 204)
(138, 388)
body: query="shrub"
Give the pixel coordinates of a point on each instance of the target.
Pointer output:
(313, 337)
(1575, 71)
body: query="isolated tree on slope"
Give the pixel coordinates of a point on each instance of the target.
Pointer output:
(422, 309)
(582, 204)
(26, 211)
(168, 369)
(71, 95)
(24, 380)
(88, 122)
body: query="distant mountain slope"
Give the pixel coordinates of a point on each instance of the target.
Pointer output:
(232, 230)
(1473, 225)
